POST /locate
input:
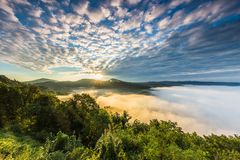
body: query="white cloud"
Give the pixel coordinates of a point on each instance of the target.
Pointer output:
(5, 6)
(177, 19)
(49, 1)
(71, 19)
(133, 2)
(175, 3)
(134, 22)
(94, 15)
(23, 2)
(148, 28)
(130, 24)
(36, 12)
(81, 8)
(97, 16)
(121, 12)
(116, 3)
(52, 20)
(209, 12)
(163, 23)
(154, 12)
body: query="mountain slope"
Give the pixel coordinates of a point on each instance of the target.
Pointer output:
(6, 80)
(68, 86)
(41, 80)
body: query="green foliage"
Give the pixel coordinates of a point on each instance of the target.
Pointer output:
(11, 100)
(120, 120)
(61, 142)
(80, 153)
(109, 147)
(42, 124)
(19, 147)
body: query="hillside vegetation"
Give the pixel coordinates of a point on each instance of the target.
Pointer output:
(66, 87)
(35, 124)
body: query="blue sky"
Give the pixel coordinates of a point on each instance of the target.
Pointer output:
(134, 40)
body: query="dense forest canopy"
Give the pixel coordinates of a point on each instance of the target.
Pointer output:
(35, 124)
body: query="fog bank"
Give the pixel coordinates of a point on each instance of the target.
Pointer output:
(203, 109)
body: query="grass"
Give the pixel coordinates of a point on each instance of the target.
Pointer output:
(19, 147)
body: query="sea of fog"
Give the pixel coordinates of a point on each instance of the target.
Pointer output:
(203, 109)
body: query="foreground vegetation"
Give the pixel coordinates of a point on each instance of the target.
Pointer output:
(36, 125)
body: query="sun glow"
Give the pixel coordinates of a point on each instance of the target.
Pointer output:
(98, 76)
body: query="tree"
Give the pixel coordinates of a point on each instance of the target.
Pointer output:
(10, 103)
(109, 147)
(120, 120)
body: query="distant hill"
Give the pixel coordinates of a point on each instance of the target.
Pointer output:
(41, 80)
(64, 87)
(68, 86)
(7, 81)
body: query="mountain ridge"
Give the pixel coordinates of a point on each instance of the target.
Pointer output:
(69, 86)
(150, 83)
(123, 85)
(40, 80)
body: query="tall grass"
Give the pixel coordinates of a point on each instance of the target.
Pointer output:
(19, 147)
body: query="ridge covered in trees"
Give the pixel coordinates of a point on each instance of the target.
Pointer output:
(66, 87)
(35, 124)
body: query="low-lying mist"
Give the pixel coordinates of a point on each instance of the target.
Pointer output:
(205, 109)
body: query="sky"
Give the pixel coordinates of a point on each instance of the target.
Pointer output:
(133, 40)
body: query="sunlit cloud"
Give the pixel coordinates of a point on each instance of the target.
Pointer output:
(154, 12)
(133, 2)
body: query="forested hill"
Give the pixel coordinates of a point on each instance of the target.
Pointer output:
(35, 124)
(68, 86)
(4, 79)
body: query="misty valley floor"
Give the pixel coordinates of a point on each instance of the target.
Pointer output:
(201, 109)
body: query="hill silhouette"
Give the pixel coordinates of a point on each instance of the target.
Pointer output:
(64, 87)
(68, 86)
